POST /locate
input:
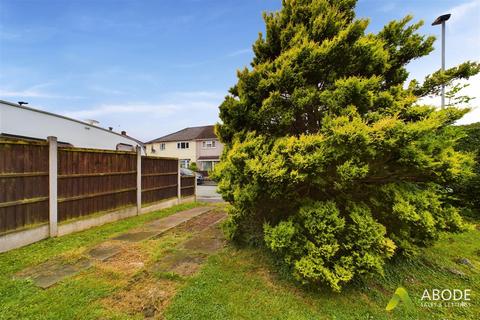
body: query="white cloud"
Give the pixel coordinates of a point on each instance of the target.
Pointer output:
(106, 91)
(459, 12)
(192, 64)
(198, 95)
(148, 120)
(462, 43)
(213, 60)
(23, 93)
(463, 28)
(473, 91)
(239, 52)
(7, 35)
(387, 7)
(471, 117)
(137, 109)
(36, 91)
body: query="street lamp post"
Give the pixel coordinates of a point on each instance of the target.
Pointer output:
(441, 20)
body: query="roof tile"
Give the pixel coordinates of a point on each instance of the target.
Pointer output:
(193, 133)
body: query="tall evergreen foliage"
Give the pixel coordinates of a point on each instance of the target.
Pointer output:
(466, 192)
(329, 160)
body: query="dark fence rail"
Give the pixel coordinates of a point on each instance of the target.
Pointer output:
(188, 186)
(159, 179)
(23, 184)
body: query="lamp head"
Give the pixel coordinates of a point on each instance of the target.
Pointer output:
(441, 19)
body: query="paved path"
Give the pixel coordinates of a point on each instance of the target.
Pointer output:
(190, 254)
(150, 293)
(157, 227)
(207, 193)
(48, 273)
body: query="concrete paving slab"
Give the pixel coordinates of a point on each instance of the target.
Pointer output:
(136, 236)
(203, 222)
(209, 241)
(193, 252)
(157, 227)
(182, 263)
(169, 222)
(51, 272)
(104, 252)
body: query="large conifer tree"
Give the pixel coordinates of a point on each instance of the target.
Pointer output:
(330, 160)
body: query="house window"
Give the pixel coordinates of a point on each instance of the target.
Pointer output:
(208, 144)
(184, 163)
(162, 146)
(207, 166)
(182, 145)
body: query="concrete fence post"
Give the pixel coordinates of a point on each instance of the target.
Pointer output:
(52, 182)
(179, 183)
(195, 186)
(139, 180)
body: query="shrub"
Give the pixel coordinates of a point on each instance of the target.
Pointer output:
(330, 161)
(193, 166)
(324, 245)
(466, 193)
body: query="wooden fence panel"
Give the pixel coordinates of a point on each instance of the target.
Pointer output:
(159, 179)
(91, 181)
(188, 186)
(23, 184)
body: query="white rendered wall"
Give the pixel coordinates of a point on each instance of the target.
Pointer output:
(172, 151)
(209, 152)
(30, 123)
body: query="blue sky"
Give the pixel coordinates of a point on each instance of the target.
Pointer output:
(153, 67)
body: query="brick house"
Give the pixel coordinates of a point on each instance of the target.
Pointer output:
(195, 144)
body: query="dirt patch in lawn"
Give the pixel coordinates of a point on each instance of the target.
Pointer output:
(181, 263)
(147, 297)
(128, 261)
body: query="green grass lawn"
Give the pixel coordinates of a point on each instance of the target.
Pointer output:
(233, 284)
(75, 297)
(243, 284)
